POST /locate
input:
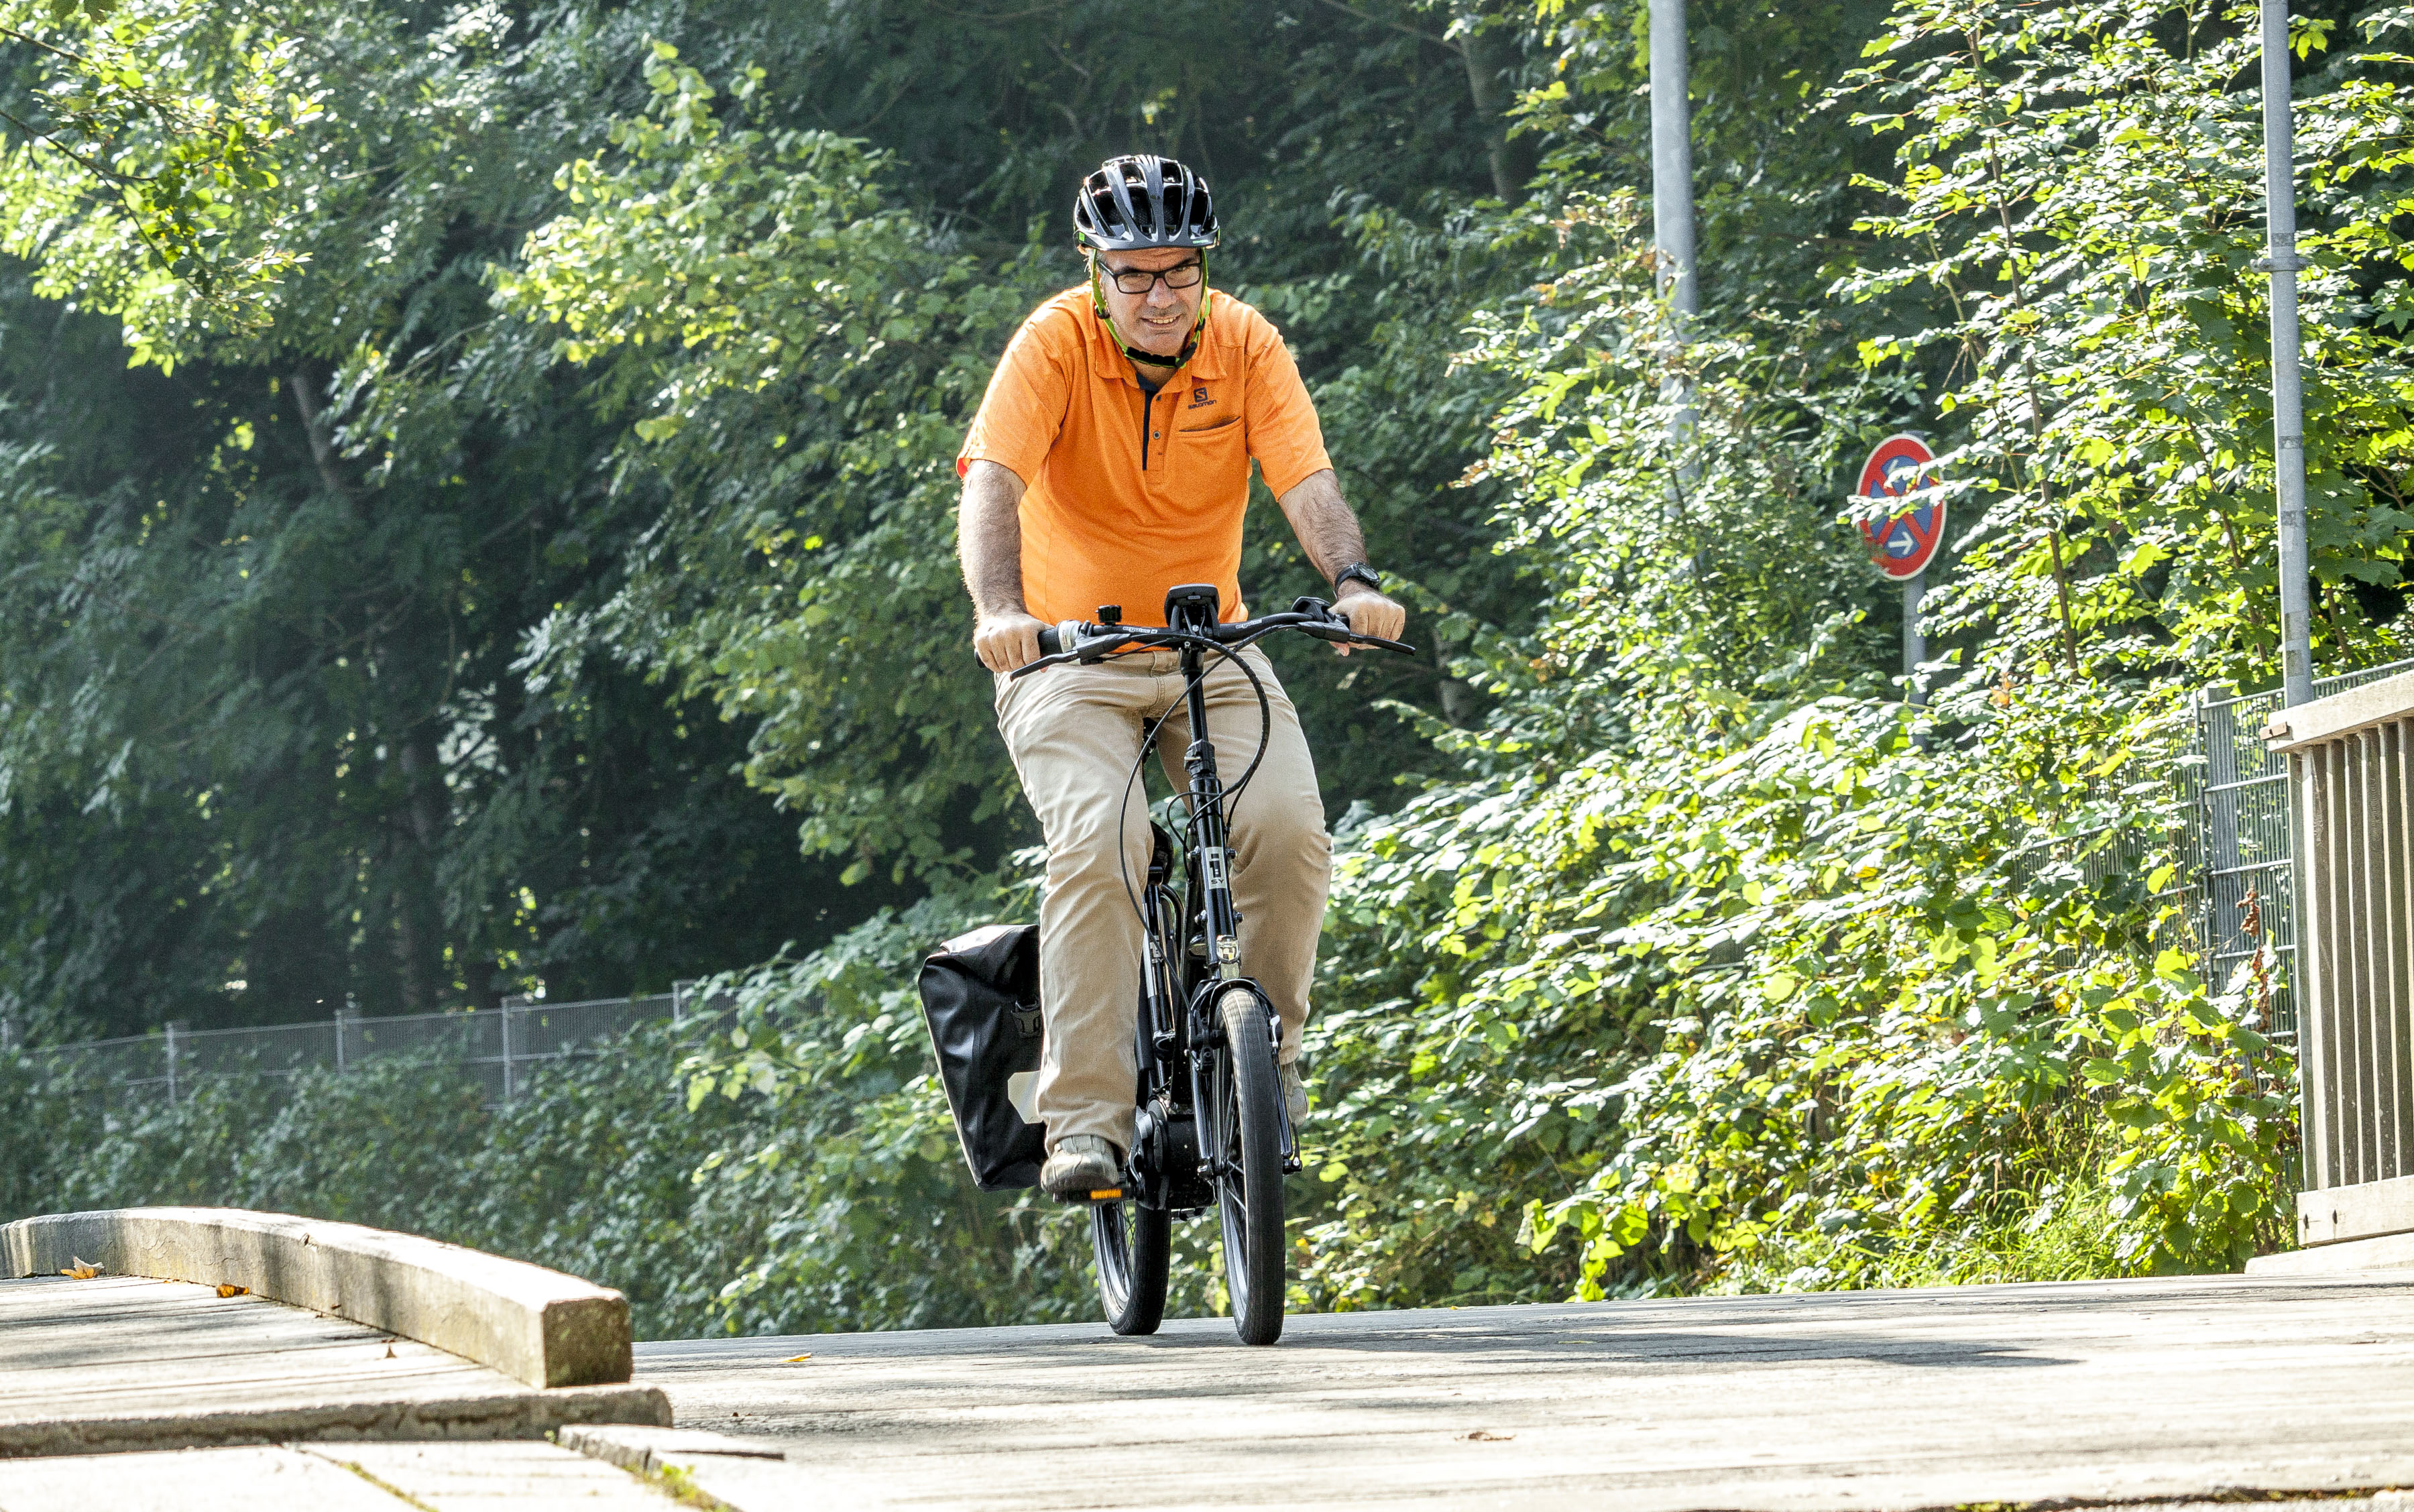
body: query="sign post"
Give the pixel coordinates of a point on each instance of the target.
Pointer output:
(1915, 645)
(1902, 544)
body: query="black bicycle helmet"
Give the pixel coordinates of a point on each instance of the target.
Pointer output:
(1143, 200)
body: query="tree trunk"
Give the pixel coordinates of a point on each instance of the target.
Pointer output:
(418, 831)
(1458, 701)
(321, 435)
(1493, 55)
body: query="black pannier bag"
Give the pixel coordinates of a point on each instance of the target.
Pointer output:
(980, 995)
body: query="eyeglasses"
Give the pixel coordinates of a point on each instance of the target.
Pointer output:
(1138, 281)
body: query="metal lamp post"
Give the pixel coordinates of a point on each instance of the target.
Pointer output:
(2288, 395)
(1672, 227)
(1672, 159)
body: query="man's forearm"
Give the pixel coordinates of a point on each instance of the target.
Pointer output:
(1327, 529)
(1329, 533)
(988, 539)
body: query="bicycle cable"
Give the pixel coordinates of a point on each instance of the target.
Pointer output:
(1148, 743)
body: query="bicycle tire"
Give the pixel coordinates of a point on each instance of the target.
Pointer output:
(1134, 1244)
(1249, 1187)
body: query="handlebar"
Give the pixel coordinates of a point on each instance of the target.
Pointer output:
(1076, 640)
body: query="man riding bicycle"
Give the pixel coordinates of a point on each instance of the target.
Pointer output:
(1108, 463)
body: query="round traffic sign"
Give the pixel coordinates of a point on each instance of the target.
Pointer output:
(1901, 544)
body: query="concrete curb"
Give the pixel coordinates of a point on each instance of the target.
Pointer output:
(646, 1450)
(514, 1415)
(2383, 1251)
(707, 1468)
(537, 1325)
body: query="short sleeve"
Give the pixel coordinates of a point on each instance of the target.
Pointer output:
(1024, 408)
(1283, 432)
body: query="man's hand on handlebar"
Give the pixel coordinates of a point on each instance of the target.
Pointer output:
(1371, 614)
(1007, 640)
(1070, 641)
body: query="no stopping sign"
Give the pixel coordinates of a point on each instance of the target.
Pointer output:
(1901, 544)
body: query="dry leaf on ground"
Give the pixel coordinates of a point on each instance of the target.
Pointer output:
(797, 1360)
(227, 1289)
(82, 1269)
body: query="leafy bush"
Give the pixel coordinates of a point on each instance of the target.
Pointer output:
(1711, 963)
(1932, 1002)
(792, 1171)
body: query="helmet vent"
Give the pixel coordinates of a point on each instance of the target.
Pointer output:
(1142, 200)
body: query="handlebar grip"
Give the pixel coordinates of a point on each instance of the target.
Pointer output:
(1049, 643)
(1339, 634)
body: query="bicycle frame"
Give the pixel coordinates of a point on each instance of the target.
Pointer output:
(1211, 1127)
(1192, 944)
(1193, 957)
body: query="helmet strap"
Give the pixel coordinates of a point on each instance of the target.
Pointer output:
(1189, 348)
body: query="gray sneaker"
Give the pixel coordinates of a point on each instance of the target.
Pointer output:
(1294, 1094)
(1079, 1167)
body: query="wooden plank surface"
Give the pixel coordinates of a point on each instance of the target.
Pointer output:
(2078, 1393)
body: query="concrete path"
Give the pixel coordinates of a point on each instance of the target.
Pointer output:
(2173, 1392)
(2169, 1390)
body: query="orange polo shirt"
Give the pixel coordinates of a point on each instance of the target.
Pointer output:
(1124, 496)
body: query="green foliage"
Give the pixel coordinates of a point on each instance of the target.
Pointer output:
(2083, 189)
(798, 1174)
(147, 136)
(558, 540)
(1668, 949)
(854, 1162)
(264, 749)
(794, 340)
(1930, 994)
(1740, 976)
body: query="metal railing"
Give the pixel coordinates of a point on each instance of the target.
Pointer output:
(2351, 789)
(500, 1047)
(2244, 896)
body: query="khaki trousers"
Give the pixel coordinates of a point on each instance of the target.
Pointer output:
(1075, 733)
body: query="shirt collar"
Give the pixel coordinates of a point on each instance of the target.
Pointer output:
(1107, 353)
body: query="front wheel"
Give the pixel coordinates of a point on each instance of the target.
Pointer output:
(1133, 1242)
(1250, 1166)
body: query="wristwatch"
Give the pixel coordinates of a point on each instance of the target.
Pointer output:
(1356, 572)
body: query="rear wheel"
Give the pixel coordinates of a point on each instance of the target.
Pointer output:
(1132, 1242)
(1249, 1167)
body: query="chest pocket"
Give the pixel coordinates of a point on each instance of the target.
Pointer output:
(1213, 454)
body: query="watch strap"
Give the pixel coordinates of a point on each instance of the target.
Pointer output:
(1357, 573)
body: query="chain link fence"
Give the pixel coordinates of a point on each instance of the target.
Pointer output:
(2237, 895)
(500, 1047)
(2242, 895)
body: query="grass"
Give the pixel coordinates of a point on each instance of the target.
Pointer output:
(2058, 1233)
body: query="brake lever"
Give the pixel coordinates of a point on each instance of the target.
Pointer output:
(1350, 637)
(1337, 630)
(1044, 663)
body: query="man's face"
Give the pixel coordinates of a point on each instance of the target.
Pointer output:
(1160, 319)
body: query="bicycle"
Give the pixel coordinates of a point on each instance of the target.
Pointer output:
(1211, 1129)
